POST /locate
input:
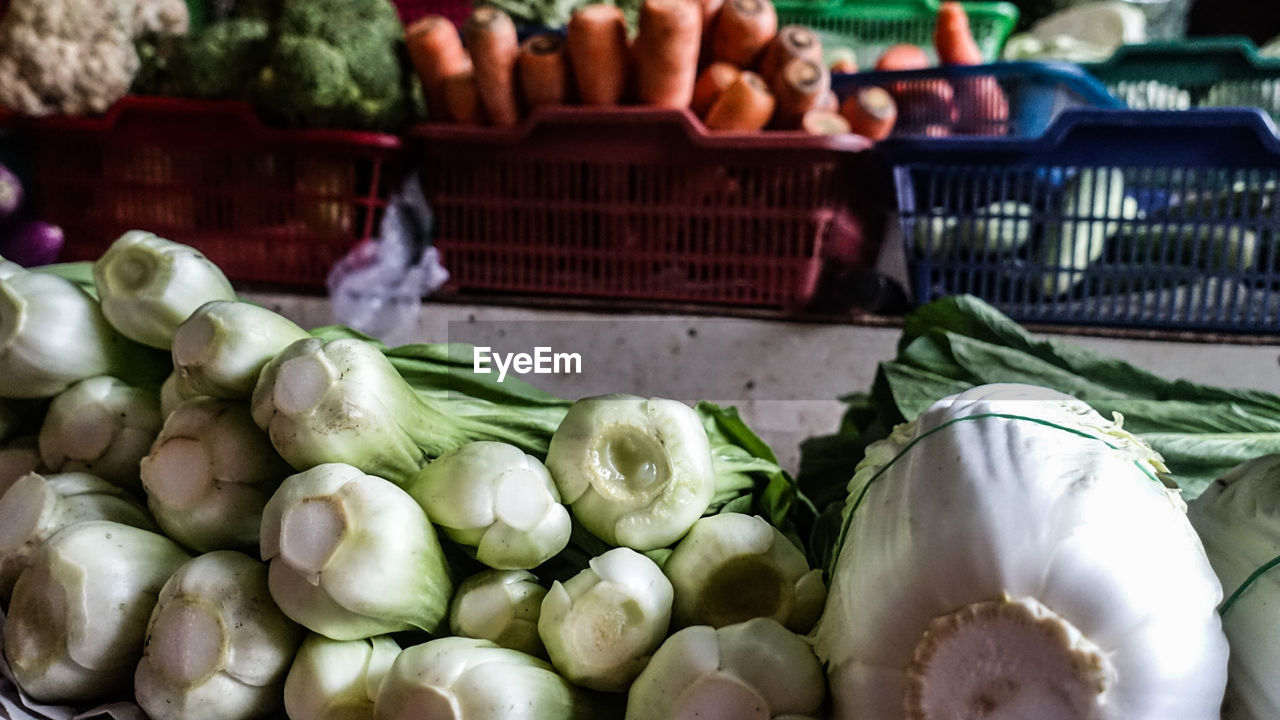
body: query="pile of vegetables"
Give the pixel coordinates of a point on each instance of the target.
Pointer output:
(214, 513)
(938, 431)
(728, 62)
(302, 63)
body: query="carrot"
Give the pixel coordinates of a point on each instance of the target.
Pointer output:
(711, 82)
(801, 85)
(982, 108)
(824, 122)
(925, 102)
(792, 41)
(843, 60)
(829, 102)
(745, 105)
(491, 37)
(952, 37)
(903, 56)
(461, 97)
(436, 51)
(544, 70)
(596, 40)
(666, 52)
(743, 28)
(871, 112)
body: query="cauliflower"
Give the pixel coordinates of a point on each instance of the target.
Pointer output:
(75, 57)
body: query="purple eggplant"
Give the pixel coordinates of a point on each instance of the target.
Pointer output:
(31, 242)
(10, 193)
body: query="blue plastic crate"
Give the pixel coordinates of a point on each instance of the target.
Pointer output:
(1156, 219)
(1019, 99)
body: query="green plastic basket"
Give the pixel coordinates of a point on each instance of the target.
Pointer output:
(868, 27)
(1201, 72)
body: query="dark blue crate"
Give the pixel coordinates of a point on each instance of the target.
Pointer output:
(1019, 99)
(1155, 219)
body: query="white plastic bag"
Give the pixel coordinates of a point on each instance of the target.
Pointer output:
(378, 287)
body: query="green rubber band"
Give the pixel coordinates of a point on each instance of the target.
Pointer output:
(1269, 565)
(848, 518)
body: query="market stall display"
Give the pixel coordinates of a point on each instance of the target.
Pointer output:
(211, 510)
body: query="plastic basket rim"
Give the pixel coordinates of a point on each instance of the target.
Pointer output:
(1070, 74)
(693, 129)
(905, 151)
(237, 110)
(1126, 62)
(900, 9)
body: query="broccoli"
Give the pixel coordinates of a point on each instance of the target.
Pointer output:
(214, 62)
(337, 63)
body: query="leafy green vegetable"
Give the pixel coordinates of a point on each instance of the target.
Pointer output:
(958, 342)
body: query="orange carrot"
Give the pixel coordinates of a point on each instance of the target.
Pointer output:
(462, 98)
(843, 60)
(800, 87)
(596, 40)
(792, 41)
(925, 102)
(745, 105)
(903, 56)
(743, 28)
(829, 102)
(544, 70)
(711, 82)
(982, 108)
(491, 38)
(952, 37)
(666, 52)
(436, 51)
(871, 112)
(824, 122)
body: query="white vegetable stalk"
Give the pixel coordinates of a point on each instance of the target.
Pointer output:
(733, 567)
(173, 392)
(501, 606)
(1238, 518)
(222, 347)
(18, 456)
(601, 626)
(209, 474)
(53, 334)
(636, 472)
(755, 670)
(101, 426)
(353, 556)
(75, 628)
(1014, 553)
(455, 678)
(217, 647)
(495, 498)
(37, 506)
(148, 285)
(343, 401)
(337, 679)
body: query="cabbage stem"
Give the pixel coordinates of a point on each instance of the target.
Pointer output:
(1004, 660)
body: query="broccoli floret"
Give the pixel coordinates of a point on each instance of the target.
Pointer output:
(219, 60)
(337, 63)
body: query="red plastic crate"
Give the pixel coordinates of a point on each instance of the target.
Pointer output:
(268, 205)
(455, 10)
(644, 204)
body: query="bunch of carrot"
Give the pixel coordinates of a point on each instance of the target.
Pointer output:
(972, 105)
(725, 60)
